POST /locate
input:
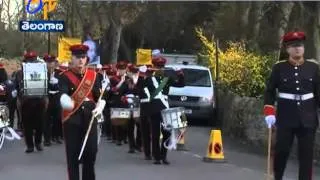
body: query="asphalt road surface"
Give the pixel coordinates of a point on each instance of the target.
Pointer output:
(115, 163)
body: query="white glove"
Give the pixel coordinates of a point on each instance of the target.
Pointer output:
(1, 87)
(130, 100)
(66, 102)
(53, 80)
(105, 83)
(14, 93)
(176, 68)
(270, 120)
(130, 95)
(143, 68)
(99, 108)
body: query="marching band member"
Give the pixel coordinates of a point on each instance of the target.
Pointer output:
(80, 88)
(158, 85)
(144, 94)
(116, 101)
(53, 126)
(130, 89)
(295, 84)
(107, 128)
(6, 88)
(13, 103)
(113, 97)
(33, 110)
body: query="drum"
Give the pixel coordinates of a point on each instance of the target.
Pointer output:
(119, 116)
(134, 107)
(174, 118)
(4, 115)
(35, 79)
(136, 114)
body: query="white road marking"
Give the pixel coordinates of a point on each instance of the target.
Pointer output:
(230, 165)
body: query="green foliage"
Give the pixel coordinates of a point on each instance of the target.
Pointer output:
(241, 71)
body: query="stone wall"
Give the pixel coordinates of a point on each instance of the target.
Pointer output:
(243, 120)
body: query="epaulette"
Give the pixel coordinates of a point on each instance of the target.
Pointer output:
(281, 61)
(313, 60)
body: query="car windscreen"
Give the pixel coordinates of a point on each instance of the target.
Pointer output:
(193, 77)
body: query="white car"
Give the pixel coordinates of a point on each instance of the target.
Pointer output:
(197, 96)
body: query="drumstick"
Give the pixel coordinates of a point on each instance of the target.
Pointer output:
(89, 128)
(269, 155)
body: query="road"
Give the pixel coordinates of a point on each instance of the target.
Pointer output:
(115, 163)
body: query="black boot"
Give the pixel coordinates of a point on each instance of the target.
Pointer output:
(157, 162)
(39, 147)
(131, 151)
(47, 143)
(166, 162)
(29, 150)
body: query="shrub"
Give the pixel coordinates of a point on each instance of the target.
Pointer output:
(241, 71)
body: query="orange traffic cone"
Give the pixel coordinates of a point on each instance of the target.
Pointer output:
(215, 148)
(181, 140)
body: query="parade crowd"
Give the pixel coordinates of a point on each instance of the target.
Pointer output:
(79, 96)
(79, 99)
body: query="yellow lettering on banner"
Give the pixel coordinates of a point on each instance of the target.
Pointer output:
(143, 56)
(64, 54)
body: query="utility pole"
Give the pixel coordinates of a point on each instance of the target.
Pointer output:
(217, 118)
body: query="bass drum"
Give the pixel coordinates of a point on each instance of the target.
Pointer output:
(35, 79)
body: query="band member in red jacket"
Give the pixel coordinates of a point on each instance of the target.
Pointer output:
(116, 102)
(80, 88)
(130, 92)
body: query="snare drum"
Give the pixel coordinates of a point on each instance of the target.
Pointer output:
(4, 115)
(174, 117)
(134, 107)
(136, 114)
(119, 116)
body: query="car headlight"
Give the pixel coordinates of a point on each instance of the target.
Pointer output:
(206, 99)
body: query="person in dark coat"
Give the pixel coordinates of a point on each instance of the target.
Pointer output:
(158, 85)
(130, 89)
(297, 81)
(53, 126)
(33, 109)
(80, 89)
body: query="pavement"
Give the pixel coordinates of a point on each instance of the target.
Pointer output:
(113, 162)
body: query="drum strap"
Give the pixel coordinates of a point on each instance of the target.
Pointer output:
(159, 88)
(82, 92)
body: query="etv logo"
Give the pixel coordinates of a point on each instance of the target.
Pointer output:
(45, 25)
